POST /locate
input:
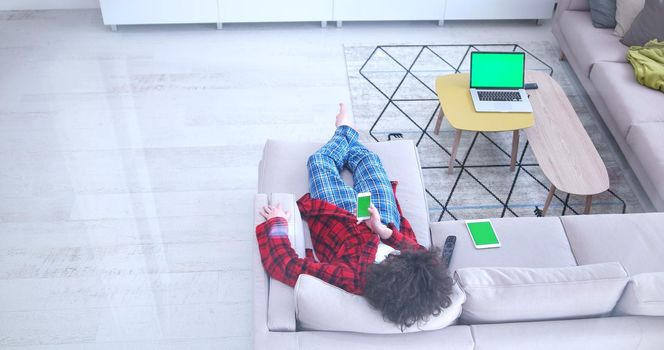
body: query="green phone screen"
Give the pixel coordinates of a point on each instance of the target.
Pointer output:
(363, 203)
(482, 233)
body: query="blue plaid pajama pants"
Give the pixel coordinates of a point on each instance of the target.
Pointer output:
(344, 150)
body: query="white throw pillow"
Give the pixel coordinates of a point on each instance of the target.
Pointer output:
(505, 294)
(321, 306)
(643, 296)
(626, 12)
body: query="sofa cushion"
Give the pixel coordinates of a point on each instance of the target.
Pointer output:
(629, 102)
(526, 242)
(453, 337)
(643, 296)
(589, 44)
(505, 294)
(635, 240)
(648, 25)
(603, 13)
(320, 306)
(626, 12)
(646, 141)
(284, 169)
(606, 333)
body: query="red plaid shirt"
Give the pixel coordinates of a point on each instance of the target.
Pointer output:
(343, 247)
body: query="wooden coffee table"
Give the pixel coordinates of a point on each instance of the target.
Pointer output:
(561, 145)
(457, 105)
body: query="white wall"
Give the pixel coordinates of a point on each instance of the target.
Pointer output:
(47, 4)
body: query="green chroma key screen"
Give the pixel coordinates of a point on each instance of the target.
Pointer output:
(363, 204)
(502, 70)
(482, 232)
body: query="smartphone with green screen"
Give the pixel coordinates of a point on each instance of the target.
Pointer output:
(363, 203)
(483, 234)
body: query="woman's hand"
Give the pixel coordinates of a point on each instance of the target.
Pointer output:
(375, 225)
(270, 212)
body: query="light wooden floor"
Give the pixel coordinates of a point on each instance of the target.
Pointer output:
(128, 166)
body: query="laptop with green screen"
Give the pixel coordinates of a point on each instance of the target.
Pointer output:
(497, 80)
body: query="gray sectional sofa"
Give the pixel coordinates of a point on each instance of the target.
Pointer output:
(634, 240)
(633, 113)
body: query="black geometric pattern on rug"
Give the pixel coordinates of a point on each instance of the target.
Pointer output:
(461, 168)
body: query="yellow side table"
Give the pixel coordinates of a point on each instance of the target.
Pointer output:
(457, 105)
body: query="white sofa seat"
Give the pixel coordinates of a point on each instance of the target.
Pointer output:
(454, 337)
(627, 100)
(526, 242)
(634, 240)
(647, 140)
(607, 333)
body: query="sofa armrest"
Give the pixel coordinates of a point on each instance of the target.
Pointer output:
(274, 304)
(260, 278)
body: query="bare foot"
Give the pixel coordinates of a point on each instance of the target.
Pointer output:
(343, 118)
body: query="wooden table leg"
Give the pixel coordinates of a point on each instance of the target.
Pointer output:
(455, 147)
(589, 203)
(515, 148)
(439, 121)
(549, 197)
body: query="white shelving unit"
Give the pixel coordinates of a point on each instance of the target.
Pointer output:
(498, 9)
(237, 11)
(121, 12)
(388, 10)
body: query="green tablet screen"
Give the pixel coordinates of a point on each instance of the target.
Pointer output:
(483, 233)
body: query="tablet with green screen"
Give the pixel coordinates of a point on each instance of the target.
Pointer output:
(483, 234)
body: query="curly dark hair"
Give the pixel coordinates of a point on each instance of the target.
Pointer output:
(409, 287)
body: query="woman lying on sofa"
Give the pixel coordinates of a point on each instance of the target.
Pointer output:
(407, 285)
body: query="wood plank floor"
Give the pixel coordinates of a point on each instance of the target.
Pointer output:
(128, 167)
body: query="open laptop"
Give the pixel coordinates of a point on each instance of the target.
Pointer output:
(496, 82)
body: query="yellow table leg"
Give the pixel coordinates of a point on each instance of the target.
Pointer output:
(515, 148)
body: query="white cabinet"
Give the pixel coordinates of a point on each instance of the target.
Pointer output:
(498, 9)
(388, 10)
(159, 11)
(117, 12)
(233, 11)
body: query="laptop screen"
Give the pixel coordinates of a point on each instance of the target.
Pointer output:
(497, 70)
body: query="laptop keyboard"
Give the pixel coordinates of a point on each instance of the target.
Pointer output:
(499, 95)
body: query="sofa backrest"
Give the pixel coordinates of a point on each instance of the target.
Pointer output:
(574, 5)
(569, 5)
